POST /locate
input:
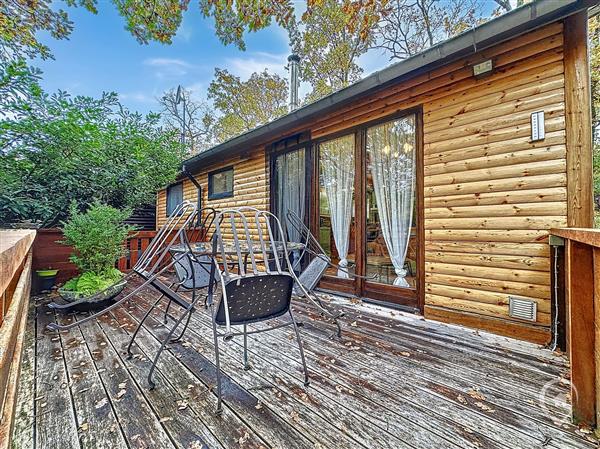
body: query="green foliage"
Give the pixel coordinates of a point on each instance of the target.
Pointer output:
(244, 105)
(90, 282)
(55, 149)
(594, 46)
(330, 45)
(22, 20)
(97, 237)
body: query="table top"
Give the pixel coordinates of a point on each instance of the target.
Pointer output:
(206, 247)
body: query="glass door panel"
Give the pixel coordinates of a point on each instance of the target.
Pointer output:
(290, 188)
(337, 225)
(391, 229)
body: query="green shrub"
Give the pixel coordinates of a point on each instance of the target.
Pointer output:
(98, 238)
(89, 283)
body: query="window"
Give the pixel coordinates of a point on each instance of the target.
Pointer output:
(220, 183)
(174, 197)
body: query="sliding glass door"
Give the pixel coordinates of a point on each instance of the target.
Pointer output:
(290, 188)
(391, 228)
(368, 204)
(336, 203)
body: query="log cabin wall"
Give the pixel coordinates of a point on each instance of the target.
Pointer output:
(250, 185)
(490, 194)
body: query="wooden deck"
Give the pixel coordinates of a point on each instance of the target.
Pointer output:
(392, 381)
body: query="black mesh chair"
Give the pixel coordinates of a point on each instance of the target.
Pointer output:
(256, 287)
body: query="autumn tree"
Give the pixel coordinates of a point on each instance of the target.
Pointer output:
(329, 44)
(412, 26)
(244, 105)
(199, 119)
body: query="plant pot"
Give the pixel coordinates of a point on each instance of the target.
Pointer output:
(47, 279)
(78, 303)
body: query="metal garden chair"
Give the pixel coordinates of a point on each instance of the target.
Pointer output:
(259, 287)
(153, 262)
(193, 272)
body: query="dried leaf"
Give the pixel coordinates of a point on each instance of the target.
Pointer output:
(476, 395)
(182, 405)
(84, 426)
(121, 393)
(101, 403)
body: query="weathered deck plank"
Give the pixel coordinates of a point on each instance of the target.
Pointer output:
(388, 383)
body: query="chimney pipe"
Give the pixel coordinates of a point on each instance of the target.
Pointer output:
(294, 61)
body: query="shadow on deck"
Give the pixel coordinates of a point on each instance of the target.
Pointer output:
(392, 381)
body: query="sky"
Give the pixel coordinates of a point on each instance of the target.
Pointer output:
(101, 56)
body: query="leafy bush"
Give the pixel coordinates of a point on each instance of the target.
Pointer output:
(55, 149)
(90, 282)
(97, 237)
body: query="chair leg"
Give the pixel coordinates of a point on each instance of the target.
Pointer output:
(163, 344)
(219, 409)
(169, 303)
(246, 364)
(306, 379)
(180, 336)
(139, 326)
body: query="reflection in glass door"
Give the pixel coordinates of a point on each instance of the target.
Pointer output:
(391, 231)
(336, 202)
(290, 188)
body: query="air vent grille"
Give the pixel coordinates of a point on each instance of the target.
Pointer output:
(524, 309)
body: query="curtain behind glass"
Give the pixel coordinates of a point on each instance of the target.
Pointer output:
(290, 189)
(337, 171)
(392, 149)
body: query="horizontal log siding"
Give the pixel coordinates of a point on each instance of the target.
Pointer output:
(490, 194)
(250, 185)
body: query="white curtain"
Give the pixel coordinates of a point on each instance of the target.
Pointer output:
(337, 169)
(290, 188)
(391, 148)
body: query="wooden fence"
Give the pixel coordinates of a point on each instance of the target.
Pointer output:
(15, 282)
(48, 253)
(581, 270)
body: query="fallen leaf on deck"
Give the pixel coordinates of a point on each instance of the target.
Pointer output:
(258, 406)
(121, 393)
(84, 426)
(354, 324)
(243, 438)
(476, 395)
(122, 385)
(182, 405)
(460, 398)
(165, 419)
(101, 403)
(484, 407)
(405, 353)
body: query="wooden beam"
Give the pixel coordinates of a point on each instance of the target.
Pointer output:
(580, 296)
(578, 122)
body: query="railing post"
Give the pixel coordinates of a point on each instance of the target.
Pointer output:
(581, 281)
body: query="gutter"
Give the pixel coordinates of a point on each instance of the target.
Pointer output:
(512, 24)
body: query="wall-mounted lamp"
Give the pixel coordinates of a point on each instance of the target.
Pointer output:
(483, 68)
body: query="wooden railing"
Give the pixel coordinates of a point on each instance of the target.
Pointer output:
(15, 283)
(47, 253)
(582, 303)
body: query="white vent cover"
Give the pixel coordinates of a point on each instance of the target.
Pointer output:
(524, 309)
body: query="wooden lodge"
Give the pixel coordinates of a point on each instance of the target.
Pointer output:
(439, 177)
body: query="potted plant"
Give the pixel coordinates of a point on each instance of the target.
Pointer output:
(98, 238)
(47, 278)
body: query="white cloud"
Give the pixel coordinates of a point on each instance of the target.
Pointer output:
(137, 97)
(169, 67)
(257, 62)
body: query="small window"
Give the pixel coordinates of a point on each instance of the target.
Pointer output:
(220, 183)
(174, 197)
